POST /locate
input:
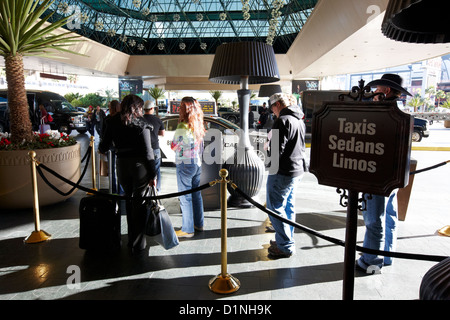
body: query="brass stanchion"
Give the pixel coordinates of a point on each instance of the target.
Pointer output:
(224, 283)
(37, 235)
(94, 175)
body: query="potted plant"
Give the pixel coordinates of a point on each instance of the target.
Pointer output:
(23, 32)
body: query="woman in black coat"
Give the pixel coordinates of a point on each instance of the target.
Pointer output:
(130, 134)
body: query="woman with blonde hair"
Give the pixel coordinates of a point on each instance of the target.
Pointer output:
(188, 146)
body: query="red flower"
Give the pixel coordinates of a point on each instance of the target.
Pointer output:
(5, 142)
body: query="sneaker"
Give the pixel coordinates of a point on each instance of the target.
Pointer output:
(276, 253)
(371, 269)
(198, 228)
(182, 234)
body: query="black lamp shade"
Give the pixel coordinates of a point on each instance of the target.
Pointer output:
(267, 90)
(416, 21)
(255, 60)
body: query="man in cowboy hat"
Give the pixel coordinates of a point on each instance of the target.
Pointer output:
(380, 216)
(389, 84)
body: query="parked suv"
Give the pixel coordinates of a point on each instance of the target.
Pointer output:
(234, 116)
(420, 130)
(65, 117)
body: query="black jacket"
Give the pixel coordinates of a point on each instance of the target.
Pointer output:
(128, 140)
(157, 125)
(291, 134)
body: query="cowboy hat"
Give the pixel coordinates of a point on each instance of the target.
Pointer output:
(390, 80)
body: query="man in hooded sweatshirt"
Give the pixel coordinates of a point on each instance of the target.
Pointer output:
(288, 132)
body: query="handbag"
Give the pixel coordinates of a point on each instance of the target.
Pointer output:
(158, 225)
(152, 225)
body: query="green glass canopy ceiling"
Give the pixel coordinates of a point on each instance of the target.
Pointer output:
(143, 27)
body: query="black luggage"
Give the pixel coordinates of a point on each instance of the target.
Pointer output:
(99, 223)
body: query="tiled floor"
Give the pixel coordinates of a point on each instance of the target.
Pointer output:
(59, 269)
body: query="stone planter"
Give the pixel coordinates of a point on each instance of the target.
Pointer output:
(15, 175)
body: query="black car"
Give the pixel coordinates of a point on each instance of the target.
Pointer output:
(420, 130)
(234, 116)
(65, 117)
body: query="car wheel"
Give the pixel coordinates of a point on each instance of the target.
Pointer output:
(65, 129)
(416, 136)
(232, 119)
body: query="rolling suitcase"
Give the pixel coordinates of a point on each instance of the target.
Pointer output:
(100, 224)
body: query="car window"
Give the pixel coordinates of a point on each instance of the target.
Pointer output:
(63, 106)
(226, 123)
(213, 125)
(222, 127)
(171, 124)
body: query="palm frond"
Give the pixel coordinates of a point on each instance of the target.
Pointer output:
(23, 32)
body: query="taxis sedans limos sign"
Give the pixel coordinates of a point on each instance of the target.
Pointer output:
(361, 146)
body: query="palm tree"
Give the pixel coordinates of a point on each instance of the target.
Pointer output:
(109, 95)
(446, 103)
(440, 94)
(156, 93)
(216, 94)
(416, 101)
(23, 33)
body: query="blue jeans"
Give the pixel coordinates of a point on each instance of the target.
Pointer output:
(280, 198)
(157, 153)
(380, 219)
(188, 177)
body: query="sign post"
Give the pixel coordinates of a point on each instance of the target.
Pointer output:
(361, 147)
(350, 245)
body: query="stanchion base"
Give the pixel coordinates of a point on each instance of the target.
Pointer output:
(224, 284)
(91, 193)
(445, 231)
(37, 236)
(236, 201)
